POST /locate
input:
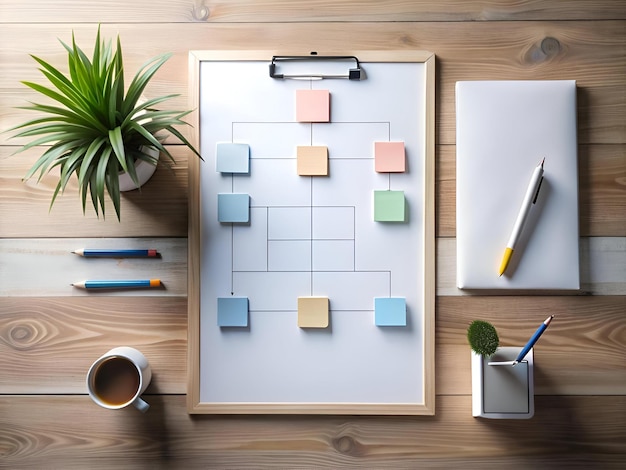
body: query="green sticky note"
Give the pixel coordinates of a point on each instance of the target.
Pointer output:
(389, 206)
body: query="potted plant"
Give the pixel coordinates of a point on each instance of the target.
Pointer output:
(96, 129)
(483, 338)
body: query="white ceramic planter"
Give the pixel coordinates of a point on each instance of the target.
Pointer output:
(144, 171)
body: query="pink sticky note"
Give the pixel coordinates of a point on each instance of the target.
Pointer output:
(312, 105)
(389, 157)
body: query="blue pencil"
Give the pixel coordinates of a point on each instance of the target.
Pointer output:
(90, 252)
(533, 339)
(118, 284)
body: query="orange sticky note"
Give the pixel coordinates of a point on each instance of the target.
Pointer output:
(312, 105)
(313, 312)
(312, 160)
(389, 157)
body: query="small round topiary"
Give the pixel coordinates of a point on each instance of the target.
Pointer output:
(483, 338)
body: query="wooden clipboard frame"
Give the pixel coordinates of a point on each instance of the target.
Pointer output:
(194, 403)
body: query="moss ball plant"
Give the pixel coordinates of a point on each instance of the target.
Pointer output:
(483, 338)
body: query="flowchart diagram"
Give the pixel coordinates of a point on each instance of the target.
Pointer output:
(315, 241)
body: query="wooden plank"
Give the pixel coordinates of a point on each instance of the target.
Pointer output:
(46, 267)
(602, 190)
(544, 51)
(602, 261)
(602, 203)
(72, 432)
(241, 11)
(158, 209)
(589, 52)
(602, 267)
(445, 177)
(47, 344)
(583, 352)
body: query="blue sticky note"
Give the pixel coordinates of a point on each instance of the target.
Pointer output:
(232, 158)
(390, 311)
(232, 311)
(233, 207)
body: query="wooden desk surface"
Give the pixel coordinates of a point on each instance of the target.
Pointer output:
(49, 333)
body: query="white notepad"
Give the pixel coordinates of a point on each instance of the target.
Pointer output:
(504, 129)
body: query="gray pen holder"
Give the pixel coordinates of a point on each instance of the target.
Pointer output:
(503, 391)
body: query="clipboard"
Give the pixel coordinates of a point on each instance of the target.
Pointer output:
(265, 362)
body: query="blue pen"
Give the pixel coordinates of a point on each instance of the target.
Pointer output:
(114, 253)
(118, 284)
(533, 340)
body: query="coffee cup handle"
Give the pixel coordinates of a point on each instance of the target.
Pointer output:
(141, 405)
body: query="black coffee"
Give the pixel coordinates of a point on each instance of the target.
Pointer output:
(116, 381)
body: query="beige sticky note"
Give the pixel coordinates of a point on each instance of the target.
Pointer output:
(312, 105)
(313, 312)
(312, 161)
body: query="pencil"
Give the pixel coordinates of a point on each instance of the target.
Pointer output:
(118, 284)
(114, 253)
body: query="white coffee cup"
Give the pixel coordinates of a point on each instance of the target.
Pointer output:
(118, 378)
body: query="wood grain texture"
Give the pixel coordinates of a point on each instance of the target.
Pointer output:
(602, 190)
(567, 432)
(591, 52)
(47, 344)
(158, 209)
(164, 11)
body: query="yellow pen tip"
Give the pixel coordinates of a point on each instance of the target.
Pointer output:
(505, 260)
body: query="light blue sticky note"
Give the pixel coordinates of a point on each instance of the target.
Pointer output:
(233, 207)
(232, 158)
(232, 311)
(389, 206)
(390, 311)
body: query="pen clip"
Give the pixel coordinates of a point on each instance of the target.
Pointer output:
(538, 189)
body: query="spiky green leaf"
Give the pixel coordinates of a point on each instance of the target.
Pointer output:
(117, 143)
(141, 79)
(100, 178)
